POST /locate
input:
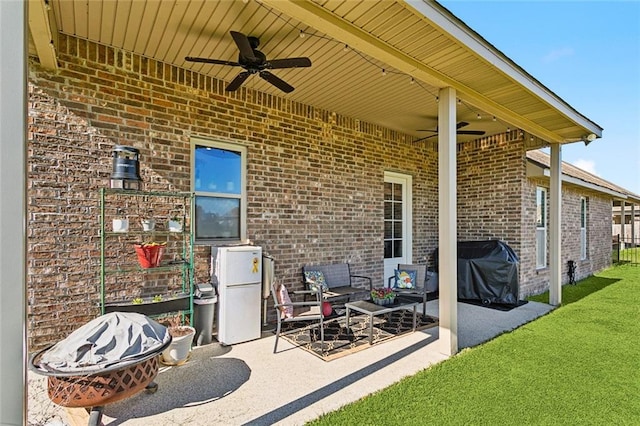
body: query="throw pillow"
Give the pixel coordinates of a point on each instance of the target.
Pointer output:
(405, 279)
(315, 279)
(286, 310)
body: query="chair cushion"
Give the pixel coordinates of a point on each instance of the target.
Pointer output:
(283, 298)
(315, 279)
(405, 279)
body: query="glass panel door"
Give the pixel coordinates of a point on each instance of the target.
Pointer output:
(397, 222)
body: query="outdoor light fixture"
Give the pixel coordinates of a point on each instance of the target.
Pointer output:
(126, 168)
(589, 138)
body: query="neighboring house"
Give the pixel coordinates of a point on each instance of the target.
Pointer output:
(307, 183)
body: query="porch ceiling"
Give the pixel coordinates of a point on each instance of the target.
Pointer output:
(408, 39)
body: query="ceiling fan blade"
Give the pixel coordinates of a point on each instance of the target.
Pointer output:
(279, 83)
(425, 138)
(289, 63)
(242, 41)
(237, 82)
(211, 61)
(461, 124)
(471, 132)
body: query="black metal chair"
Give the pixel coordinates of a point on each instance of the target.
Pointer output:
(426, 282)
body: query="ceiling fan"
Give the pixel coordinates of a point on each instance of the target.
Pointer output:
(255, 62)
(460, 125)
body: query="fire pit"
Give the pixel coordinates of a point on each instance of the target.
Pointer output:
(108, 359)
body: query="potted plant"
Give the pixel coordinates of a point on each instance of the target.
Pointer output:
(181, 340)
(119, 223)
(383, 296)
(175, 224)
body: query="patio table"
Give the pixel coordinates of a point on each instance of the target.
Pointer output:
(369, 308)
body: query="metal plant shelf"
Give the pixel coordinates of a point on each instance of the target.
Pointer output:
(166, 267)
(151, 308)
(180, 270)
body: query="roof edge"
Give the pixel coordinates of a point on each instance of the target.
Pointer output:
(466, 36)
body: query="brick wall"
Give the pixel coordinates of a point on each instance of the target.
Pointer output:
(537, 280)
(315, 178)
(598, 238)
(491, 176)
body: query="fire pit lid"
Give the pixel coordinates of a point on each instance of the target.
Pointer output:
(106, 343)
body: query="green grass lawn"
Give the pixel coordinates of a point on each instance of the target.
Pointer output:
(578, 365)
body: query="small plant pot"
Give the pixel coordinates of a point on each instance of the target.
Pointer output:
(181, 340)
(384, 302)
(174, 226)
(149, 256)
(148, 224)
(120, 225)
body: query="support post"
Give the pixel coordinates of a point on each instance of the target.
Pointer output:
(13, 114)
(447, 222)
(555, 222)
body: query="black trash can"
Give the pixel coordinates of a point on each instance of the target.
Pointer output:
(204, 306)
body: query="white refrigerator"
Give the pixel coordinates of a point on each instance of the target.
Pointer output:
(239, 273)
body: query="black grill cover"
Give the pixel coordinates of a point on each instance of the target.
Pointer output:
(487, 272)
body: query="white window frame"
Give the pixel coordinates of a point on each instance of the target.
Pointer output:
(584, 205)
(243, 182)
(541, 228)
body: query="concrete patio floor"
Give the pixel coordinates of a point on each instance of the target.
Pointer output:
(246, 384)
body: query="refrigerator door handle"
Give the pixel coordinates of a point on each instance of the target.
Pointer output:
(242, 285)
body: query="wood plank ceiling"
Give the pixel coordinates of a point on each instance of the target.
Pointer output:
(346, 77)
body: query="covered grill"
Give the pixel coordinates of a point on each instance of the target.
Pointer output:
(487, 272)
(106, 360)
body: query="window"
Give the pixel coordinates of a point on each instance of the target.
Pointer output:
(393, 220)
(218, 181)
(583, 228)
(541, 227)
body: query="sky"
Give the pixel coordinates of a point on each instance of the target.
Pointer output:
(588, 54)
